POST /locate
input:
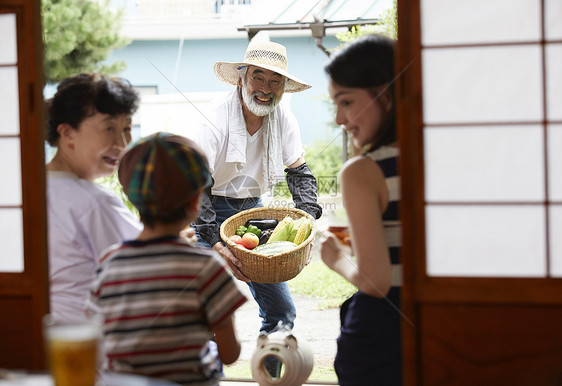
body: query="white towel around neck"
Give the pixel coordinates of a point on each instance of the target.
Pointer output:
(236, 148)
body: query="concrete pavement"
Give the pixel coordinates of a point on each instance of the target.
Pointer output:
(319, 329)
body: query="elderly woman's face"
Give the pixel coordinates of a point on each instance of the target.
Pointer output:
(262, 90)
(96, 145)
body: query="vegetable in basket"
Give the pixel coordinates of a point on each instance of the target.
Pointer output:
(282, 231)
(292, 230)
(295, 228)
(275, 248)
(250, 240)
(263, 224)
(303, 232)
(241, 230)
(254, 229)
(265, 236)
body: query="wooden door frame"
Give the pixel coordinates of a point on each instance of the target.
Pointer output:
(408, 120)
(29, 289)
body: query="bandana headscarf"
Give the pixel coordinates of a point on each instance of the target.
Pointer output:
(162, 172)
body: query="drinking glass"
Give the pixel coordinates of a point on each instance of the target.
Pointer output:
(339, 226)
(71, 349)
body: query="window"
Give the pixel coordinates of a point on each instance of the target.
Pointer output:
(11, 220)
(492, 114)
(23, 260)
(479, 117)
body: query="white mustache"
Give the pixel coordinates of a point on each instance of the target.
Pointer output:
(264, 95)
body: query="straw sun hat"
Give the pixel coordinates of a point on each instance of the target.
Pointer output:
(265, 54)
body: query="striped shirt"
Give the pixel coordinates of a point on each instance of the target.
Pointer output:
(387, 158)
(160, 300)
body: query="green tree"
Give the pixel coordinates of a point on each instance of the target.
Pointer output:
(389, 22)
(388, 26)
(78, 35)
(325, 160)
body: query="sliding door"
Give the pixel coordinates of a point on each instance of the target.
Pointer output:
(480, 125)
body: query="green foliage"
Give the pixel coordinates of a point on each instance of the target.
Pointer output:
(242, 370)
(323, 372)
(324, 158)
(388, 26)
(78, 35)
(112, 183)
(321, 282)
(354, 33)
(389, 22)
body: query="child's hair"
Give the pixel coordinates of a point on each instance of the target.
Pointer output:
(368, 63)
(161, 174)
(81, 96)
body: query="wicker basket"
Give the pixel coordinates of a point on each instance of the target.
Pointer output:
(267, 268)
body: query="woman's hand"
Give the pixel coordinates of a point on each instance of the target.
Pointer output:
(232, 262)
(189, 235)
(330, 250)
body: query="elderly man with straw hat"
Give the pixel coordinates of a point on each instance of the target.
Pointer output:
(249, 137)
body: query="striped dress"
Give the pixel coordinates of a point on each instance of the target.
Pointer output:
(369, 345)
(387, 157)
(160, 299)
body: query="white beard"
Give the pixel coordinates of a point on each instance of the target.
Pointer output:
(254, 107)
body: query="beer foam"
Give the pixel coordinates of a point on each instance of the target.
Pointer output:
(73, 332)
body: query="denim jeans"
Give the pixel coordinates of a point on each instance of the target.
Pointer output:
(274, 299)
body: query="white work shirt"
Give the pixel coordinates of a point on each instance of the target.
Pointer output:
(236, 158)
(84, 218)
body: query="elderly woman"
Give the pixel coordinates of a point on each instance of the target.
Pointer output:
(89, 122)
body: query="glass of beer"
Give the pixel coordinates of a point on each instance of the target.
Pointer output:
(342, 233)
(338, 225)
(71, 349)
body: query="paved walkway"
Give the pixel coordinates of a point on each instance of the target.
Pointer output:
(319, 329)
(252, 383)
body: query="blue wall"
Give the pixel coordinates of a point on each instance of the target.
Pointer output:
(146, 59)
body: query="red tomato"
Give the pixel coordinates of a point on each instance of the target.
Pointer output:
(250, 240)
(237, 239)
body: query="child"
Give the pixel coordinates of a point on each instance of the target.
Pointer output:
(361, 86)
(163, 299)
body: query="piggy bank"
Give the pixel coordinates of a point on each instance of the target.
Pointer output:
(280, 359)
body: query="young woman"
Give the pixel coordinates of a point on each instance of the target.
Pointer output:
(361, 86)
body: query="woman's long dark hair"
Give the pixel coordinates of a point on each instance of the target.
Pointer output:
(368, 63)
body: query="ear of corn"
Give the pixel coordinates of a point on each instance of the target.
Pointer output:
(295, 228)
(282, 230)
(303, 232)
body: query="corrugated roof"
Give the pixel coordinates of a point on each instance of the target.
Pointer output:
(329, 11)
(340, 10)
(317, 15)
(299, 11)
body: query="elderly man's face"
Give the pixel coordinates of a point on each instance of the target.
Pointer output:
(262, 90)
